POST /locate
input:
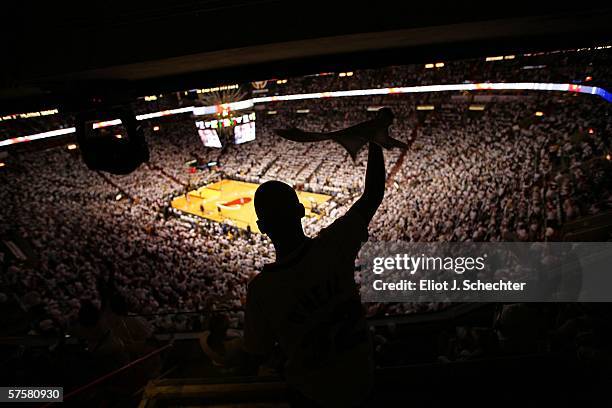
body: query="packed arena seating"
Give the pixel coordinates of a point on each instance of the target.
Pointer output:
(588, 67)
(501, 174)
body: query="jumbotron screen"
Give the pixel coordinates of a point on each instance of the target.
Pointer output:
(244, 133)
(210, 138)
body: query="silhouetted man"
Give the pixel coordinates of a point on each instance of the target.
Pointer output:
(307, 301)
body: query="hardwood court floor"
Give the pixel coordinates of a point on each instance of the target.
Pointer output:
(231, 202)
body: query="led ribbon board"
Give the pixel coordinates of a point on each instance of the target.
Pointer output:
(207, 110)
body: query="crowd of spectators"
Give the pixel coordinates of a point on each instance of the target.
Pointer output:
(501, 174)
(587, 66)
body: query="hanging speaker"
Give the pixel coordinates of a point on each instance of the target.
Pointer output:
(111, 140)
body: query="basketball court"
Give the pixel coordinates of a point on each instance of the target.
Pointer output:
(231, 202)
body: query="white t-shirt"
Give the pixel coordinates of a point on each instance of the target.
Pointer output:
(309, 304)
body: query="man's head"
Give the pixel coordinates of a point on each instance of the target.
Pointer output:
(278, 209)
(218, 325)
(89, 315)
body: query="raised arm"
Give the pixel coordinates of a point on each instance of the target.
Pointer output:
(375, 179)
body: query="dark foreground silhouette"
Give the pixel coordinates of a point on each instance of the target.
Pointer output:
(307, 301)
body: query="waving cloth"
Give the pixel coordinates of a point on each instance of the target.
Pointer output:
(352, 138)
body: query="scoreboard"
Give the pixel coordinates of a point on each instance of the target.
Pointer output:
(240, 128)
(209, 137)
(244, 133)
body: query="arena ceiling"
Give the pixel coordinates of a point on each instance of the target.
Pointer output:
(58, 54)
